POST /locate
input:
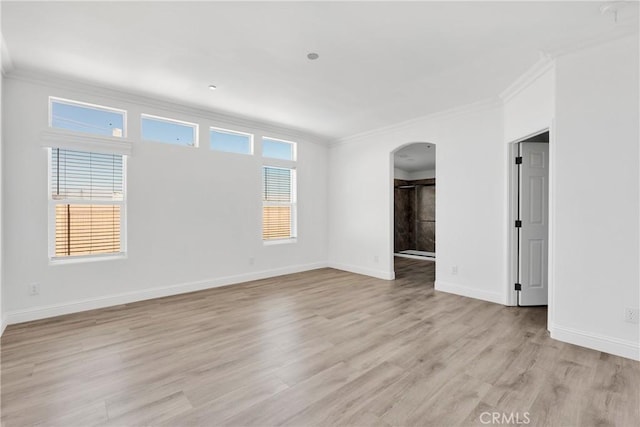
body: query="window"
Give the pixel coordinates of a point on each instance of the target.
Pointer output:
(278, 203)
(279, 191)
(230, 141)
(88, 118)
(169, 131)
(277, 149)
(87, 203)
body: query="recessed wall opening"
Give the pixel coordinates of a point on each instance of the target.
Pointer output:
(414, 204)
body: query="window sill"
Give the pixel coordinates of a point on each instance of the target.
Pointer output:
(57, 138)
(86, 259)
(279, 241)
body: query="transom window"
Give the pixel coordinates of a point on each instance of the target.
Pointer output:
(87, 118)
(278, 149)
(230, 141)
(169, 131)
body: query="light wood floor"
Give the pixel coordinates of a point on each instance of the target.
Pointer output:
(319, 348)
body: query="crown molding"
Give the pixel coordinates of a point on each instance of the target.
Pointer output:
(568, 49)
(544, 64)
(57, 81)
(465, 109)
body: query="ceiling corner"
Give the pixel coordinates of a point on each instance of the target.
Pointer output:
(544, 64)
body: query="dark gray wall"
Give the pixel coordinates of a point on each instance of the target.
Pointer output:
(415, 215)
(426, 218)
(405, 217)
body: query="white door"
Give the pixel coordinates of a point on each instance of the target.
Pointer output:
(534, 229)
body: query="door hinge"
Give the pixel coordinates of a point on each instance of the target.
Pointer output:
(519, 160)
(518, 223)
(518, 287)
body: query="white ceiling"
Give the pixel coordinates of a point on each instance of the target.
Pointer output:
(380, 62)
(416, 157)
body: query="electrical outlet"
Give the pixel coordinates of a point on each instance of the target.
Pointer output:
(454, 270)
(34, 289)
(252, 261)
(376, 259)
(631, 315)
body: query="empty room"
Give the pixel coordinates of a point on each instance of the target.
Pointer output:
(323, 213)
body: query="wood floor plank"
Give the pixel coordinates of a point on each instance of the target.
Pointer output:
(237, 400)
(147, 411)
(316, 348)
(291, 401)
(343, 406)
(451, 404)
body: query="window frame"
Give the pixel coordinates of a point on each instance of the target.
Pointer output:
(293, 204)
(194, 126)
(51, 208)
(58, 100)
(233, 132)
(294, 150)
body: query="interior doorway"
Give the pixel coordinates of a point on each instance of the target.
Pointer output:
(414, 202)
(530, 213)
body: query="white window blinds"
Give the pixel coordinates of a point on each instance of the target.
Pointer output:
(87, 202)
(279, 204)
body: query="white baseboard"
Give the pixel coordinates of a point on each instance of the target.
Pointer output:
(379, 274)
(465, 291)
(43, 312)
(618, 347)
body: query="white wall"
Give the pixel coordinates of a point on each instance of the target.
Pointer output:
(193, 215)
(470, 216)
(426, 174)
(413, 175)
(2, 66)
(2, 311)
(597, 197)
(530, 108)
(401, 174)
